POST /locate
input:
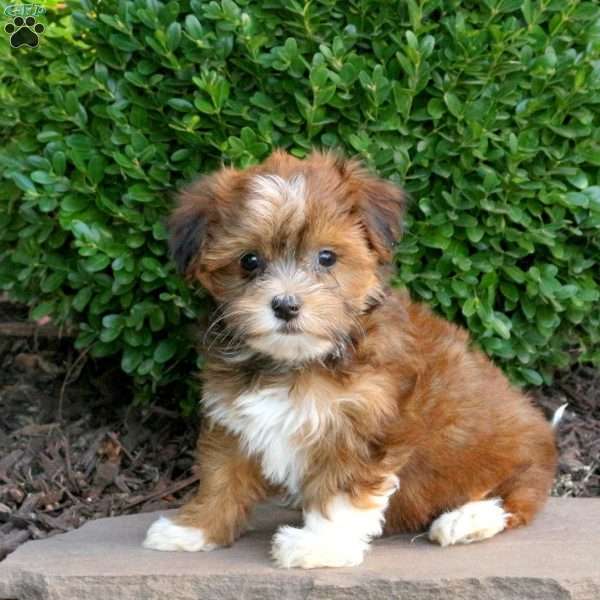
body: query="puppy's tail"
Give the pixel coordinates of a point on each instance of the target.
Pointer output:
(559, 413)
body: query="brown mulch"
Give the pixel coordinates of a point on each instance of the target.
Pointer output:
(578, 433)
(72, 448)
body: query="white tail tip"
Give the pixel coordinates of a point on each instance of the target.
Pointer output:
(558, 415)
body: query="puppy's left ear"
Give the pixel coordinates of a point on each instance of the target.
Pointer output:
(381, 207)
(379, 204)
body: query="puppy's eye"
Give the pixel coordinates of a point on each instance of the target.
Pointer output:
(327, 258)
(250, 262)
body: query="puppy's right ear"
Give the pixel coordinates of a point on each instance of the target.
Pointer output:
(188, 223)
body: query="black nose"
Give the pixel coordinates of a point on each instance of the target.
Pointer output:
(286, 307)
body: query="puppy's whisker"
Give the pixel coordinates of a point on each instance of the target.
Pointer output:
(216, 321)
(226, 339)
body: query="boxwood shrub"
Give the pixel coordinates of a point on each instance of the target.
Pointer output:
(487, 112)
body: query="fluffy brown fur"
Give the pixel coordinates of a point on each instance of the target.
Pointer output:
(391, 388)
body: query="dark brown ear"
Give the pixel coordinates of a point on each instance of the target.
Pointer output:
(380, 206)
(188, 223)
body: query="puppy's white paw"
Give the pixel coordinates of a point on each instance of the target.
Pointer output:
(166, 535)
(294, 547)
(472, 522)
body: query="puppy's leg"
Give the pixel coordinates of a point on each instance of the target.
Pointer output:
(230, 485)
(338, 536)
(515, 503)
(511, 504)
(525, 494)
(472, 522)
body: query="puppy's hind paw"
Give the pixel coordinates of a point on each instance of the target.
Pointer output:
(166, 535)
(472, 522)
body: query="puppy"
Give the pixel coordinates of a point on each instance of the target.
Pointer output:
(324, 384)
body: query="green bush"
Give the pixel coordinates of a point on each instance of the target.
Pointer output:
(487, 112)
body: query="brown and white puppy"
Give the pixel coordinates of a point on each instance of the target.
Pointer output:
(323, 383)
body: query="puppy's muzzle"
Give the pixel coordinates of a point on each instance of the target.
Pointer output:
(286, 307)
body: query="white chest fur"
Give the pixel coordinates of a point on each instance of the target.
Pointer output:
(273, 427)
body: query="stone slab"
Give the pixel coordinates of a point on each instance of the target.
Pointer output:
(556, 557)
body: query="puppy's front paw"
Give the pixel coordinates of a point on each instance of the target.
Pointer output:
(294, 547)
(164, 534)
(472, 522)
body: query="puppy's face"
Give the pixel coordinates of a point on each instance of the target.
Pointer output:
(291, 250)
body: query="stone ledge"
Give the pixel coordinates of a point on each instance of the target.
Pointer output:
(557, 557)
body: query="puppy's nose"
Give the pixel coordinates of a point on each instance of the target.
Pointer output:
(286, 307)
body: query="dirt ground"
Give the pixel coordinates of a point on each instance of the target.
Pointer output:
(72, 448)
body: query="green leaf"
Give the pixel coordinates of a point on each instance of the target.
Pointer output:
(53, 282)
(435, 107)
(514, 273)
(82, 298)
(96, 169)
(145, 367)
(181, 105)
(42, 177)
(579, 179)
(109, 335)
(454, 104)
(469, 307)
(475, 234)
(59, 162)
(531, 376)
(173, 36)
(132, 357)
(96, 263)
(193, 27)
(165, 351)
(71, 103)
(501, 325)
(179, 155)
(157, 319)
(42, 310)
(23, 182)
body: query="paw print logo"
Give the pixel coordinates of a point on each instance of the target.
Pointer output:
(24, 32)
